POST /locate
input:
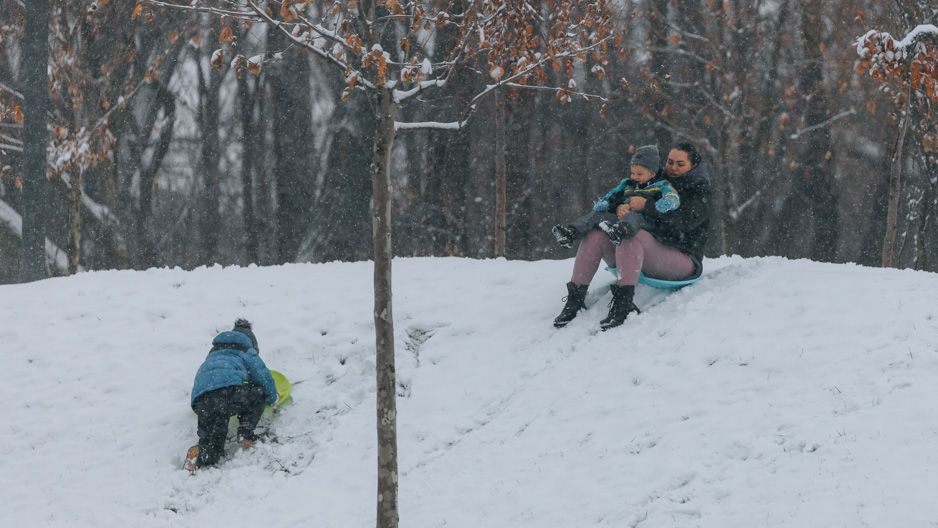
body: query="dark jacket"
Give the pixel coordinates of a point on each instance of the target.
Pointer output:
(686, 228)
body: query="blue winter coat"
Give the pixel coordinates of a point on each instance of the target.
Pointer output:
(232, 361)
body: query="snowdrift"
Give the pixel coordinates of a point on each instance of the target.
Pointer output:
(771, 393)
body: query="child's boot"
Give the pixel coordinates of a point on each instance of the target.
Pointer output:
(191, 456)
(247, 439)
(616, 231)
(565, 235)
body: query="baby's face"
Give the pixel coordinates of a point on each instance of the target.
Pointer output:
(641, 174)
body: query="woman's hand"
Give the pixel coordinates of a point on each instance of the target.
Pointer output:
(637, 203)
(621, 210)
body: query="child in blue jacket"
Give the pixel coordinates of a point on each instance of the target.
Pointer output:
(232, 381)
(611, 212)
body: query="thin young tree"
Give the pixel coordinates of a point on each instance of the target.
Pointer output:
(380, 48)
(908, 69)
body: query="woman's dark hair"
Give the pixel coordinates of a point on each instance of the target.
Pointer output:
(692, 152)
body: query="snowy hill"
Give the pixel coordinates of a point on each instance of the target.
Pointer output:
(772, 393)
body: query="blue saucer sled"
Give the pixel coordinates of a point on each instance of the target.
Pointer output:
(660, 284)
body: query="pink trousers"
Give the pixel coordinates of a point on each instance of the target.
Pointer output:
(641, 253)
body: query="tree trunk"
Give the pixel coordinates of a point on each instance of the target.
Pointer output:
(293, 147)
(817, 172)
(148, 254)
(501, 178)
(249, 143)
(895, 185)
(383, 314)
(661, 68)
(34, 60)
(74, 221)
(208, 213)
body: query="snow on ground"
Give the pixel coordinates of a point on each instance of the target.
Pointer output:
(771, 393)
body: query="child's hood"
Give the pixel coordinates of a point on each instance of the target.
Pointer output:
(235, 340)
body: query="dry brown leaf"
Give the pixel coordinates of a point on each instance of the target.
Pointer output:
(227, 36)
(286, 11)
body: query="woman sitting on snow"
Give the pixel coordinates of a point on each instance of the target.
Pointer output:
(661, 242)
(232, 381)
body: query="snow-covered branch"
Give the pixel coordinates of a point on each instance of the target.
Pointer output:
(454, 125)
(101, 212)
(524, 72)
(822, 124)
(243, 15)
(403, 95)
(898, 47)
(329, 57)
(11, 91)
(14, 222)
(556, 89)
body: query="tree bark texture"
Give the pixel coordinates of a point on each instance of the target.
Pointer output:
(817, 175)
(383, 313)
(208, 213)
(147, 253)
(293, 142)
(501, 178)
(895, 185)
(249, 143)
(74, 222)
(35, 183)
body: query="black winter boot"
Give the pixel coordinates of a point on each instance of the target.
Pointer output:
(622, 306)
(576, 294)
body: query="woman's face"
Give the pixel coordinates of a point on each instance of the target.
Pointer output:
(678, 163)
(641, 174)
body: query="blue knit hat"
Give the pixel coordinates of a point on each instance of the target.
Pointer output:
(647, 156)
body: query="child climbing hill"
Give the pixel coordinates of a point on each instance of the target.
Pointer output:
(232, 381)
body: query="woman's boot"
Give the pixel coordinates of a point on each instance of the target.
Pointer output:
(576, 294)
(622, 306)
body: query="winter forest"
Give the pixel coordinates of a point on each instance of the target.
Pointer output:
(178, 133)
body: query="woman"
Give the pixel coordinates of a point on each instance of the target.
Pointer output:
(666, 246)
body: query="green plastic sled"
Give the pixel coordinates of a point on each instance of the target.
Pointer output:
(661, 284)
(284, 389)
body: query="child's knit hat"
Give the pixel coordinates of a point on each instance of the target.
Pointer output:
(244, 326)
(647, 156)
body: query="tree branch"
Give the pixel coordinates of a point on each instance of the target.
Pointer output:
(453, 125)
(14, 93)
(822, 124)
(242, 15)
(332, 59)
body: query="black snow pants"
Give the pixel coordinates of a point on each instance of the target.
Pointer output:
(215, 408)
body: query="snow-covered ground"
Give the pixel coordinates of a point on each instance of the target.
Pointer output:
(771, 393)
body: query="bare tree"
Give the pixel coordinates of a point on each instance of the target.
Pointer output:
(912, 64)
(378, 47)
(35, 139)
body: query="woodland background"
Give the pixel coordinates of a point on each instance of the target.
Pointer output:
(157, 158)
